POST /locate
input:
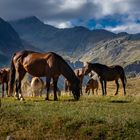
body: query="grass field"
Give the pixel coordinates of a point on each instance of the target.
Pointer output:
(90, 118)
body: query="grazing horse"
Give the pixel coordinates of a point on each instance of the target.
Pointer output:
(50, 65)
(80, 74)
(107, 73)
(92, 84)
(37, 86)
(4, 79)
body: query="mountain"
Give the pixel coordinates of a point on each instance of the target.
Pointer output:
(9, 41)
(120, 50)
(80, 44)
(48, 38)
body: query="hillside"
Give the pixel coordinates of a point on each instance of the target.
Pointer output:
(49, 38)
(74, 44)
(121, 50)
(9, 41)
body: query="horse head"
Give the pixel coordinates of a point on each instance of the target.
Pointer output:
(75, 87)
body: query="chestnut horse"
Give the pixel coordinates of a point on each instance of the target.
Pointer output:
(107, 73)
(4, 79)
(50, 65)
(92, 84)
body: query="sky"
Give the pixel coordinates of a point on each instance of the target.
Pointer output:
(113, 15)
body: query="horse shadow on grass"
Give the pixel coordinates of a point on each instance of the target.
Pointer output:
(51, 100)
(119, 101)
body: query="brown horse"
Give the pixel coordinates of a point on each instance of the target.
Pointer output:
(107, 73)
(80, 74)
(92, 84)
(4, 79)
(37, 64)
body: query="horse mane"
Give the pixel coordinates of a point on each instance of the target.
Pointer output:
(67, 71)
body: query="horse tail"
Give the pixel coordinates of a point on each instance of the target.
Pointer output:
(12, 77)
(123, 76)
(125, 79)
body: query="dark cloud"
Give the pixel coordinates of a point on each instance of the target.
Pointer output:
(64, 11)
(46, 9)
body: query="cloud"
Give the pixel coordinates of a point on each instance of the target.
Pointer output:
(60, 24)
(61, 12)
(128, 27)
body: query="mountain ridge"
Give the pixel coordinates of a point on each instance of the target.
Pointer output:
(77, 44)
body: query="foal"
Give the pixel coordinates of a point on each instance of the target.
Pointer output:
(91, 84)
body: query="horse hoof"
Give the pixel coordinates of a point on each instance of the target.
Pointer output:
(47, 99)
(22, 99)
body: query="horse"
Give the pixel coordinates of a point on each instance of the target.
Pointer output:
(107, 73)
(67, 86)
(80, 74)
(37, 86)
(4, 79)
(92, 84)
(49, 65)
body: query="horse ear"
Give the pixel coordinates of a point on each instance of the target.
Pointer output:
(85, 64)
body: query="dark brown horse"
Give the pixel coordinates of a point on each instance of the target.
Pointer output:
(107, 73)
(37, 64)
(4, 79)
(92, 84)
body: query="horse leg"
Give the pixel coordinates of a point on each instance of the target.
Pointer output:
(2, 90)
(88, 91)
(124, 84)
(41, 92)
(7, 88)
(81, 89)
(48, 87)
(59, 92)
(93, 91)
(105, 84)
(117, 83)
(55, 80)
(101, 81)
(21, 73)
(96, 91)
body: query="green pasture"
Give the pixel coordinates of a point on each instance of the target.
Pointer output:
(90, 118)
